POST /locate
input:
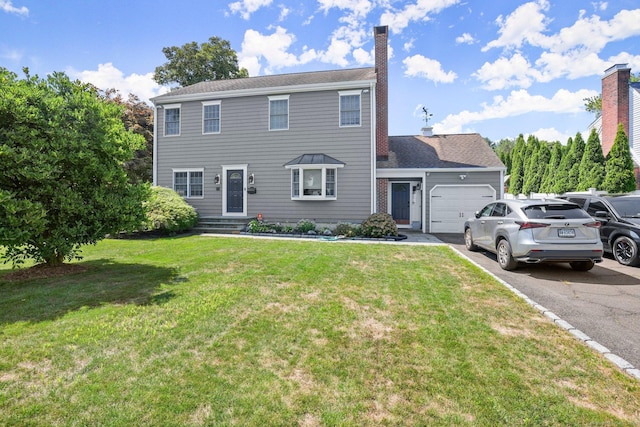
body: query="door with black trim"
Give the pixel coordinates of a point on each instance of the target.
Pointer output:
(401, 202)
(235, 191)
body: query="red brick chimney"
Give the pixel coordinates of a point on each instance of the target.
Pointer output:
(382, 93)
(615, 104)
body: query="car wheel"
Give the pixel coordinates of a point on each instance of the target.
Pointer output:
(582, 265)
(468, 240)
(625, 251)
(505, 259)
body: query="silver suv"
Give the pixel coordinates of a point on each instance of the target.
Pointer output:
(534, 231)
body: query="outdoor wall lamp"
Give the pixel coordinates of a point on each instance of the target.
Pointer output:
(252, 179)
(462, 177)
(216, 179)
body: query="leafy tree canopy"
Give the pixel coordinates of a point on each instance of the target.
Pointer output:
(62, 147)
(192, 63)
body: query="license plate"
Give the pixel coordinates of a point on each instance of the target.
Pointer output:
(566, 232)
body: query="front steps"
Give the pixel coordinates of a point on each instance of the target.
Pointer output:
(221, 225)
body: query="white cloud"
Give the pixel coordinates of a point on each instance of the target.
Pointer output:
(526, 23)
(549, 135)
(246, 7)
(12, 55)
(273, 48)
(357, 7)
(8, 7)
(517, 103)
(506, 72)
(417, 11)
(109, 77)
(465, 38)
(408, 45)
(420, 66)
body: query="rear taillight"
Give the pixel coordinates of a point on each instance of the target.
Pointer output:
(525, 225)
(594, 224)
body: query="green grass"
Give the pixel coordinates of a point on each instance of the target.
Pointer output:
(225, 331)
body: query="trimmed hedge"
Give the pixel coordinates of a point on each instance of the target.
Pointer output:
(168, 213)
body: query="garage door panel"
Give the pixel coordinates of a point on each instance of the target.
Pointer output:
(452, 205)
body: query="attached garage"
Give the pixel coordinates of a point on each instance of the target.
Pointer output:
(451, 205)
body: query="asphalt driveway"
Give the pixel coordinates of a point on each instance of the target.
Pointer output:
(603, 303)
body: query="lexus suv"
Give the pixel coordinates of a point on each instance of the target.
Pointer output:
(620, 218)
(535, 230)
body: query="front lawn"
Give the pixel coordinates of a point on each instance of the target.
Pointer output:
(238, 331)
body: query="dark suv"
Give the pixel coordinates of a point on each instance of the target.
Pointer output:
(620, 218)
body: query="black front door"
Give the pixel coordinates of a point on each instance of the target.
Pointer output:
(235, 191)
(400, 202)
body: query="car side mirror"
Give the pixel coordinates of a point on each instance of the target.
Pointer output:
(477, 214)
(602, 214)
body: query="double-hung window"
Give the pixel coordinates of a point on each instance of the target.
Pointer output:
(350, 108)
(211, 117)
(279, 112)
(189, 183)
(172, 120)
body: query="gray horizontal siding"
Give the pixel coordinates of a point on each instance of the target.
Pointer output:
(245, 139)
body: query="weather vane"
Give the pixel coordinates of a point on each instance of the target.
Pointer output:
(427, 115)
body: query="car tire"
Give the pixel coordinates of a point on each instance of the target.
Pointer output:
(505, 258)
(468, 241)
(582, 265)
(625, 251)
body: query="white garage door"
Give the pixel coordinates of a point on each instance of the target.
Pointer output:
(451, 205)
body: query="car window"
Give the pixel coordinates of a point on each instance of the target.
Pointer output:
(486, 211)
(555, 211)
(626, 207)
(595, 206)
(577, 200)
(499, 210)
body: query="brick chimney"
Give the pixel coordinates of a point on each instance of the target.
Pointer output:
(615, 103)
(382, 93)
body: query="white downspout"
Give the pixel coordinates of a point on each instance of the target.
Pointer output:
(154, 164)
(374, 170)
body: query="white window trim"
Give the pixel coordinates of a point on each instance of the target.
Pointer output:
(188, 171)
(207, 103)
(323, 168)
(349, 93)
(279, 98)
(172, 107)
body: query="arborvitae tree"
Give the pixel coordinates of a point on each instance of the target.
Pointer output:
(550, 173)
(537, 165)
(620, 177)
(577, 150)
(561, 184)
(591, 171)
(517, 166)
(532, 145)
(504, 150)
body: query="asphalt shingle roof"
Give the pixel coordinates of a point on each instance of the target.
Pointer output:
(440, 151)
(274, 81)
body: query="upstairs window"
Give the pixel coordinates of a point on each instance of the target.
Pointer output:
(172, 120)
(211, 117)
(350, 108)
(279, 112)
(189, 183)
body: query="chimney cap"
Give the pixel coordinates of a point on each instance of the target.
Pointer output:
(615, 68)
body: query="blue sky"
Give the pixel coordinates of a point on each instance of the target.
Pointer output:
(499, 68)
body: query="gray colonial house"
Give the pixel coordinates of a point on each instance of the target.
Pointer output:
(315, 145)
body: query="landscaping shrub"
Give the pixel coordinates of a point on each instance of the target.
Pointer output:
(167, 212)
(347, 229)
(305, 225)
(379, 225)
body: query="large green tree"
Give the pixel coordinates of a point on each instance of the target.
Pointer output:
(551, 171)
(591, 170)
(561, 184)
(516, 181)
(620, 177)
(194, 63)
(538, 162)
(577, 150)
(62, 148)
